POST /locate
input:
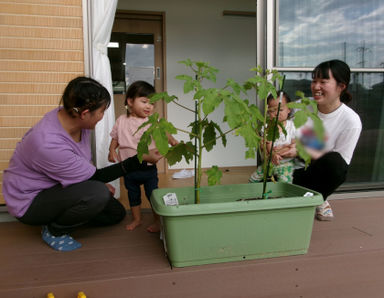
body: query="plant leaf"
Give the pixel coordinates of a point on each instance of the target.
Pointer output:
(162, 95)
(211, 101)
(187, 62)
(222, 135)
(157, 131)
(176, 153)
(214, 175)
(300, 118)
(302, 152)
(236, 87)
(317, 126)
(189, 83)
(209, 136)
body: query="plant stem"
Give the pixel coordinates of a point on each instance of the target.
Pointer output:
(195, 160)
(199, 141)
(273, 140)
(187, 132)
(184, 107)
(265, 174)
(199, 174)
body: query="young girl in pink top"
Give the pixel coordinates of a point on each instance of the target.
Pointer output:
(125, 138)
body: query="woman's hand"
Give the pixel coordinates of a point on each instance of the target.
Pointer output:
(315, 154)
(287, 150)
(153, 156)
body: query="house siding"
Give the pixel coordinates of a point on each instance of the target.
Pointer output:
(41, 49)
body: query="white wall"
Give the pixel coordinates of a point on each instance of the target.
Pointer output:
(199, 31)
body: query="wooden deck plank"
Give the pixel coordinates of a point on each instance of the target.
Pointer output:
(345, 259)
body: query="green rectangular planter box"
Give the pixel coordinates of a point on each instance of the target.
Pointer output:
(222, 229)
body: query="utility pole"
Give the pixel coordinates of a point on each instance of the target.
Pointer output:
(362, 49)
(345, 51)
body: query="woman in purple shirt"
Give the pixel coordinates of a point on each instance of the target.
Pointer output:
(51, 181)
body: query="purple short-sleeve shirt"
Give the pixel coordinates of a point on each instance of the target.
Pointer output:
(46, 156)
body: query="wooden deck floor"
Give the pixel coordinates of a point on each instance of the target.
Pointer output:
(345, 259)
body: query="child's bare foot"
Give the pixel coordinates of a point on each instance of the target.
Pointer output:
(154, 228)
(133, 225)
(136, 218)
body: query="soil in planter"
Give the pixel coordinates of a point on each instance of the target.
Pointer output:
(258, 198)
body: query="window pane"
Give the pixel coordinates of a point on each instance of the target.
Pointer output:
(368, 97)
(312, 31)
(123, 47)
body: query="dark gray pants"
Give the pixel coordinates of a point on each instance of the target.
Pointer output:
(63, 209)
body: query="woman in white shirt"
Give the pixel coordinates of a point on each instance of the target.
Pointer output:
(330, 162)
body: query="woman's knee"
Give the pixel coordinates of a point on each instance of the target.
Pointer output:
(334, 165)
(96, 193)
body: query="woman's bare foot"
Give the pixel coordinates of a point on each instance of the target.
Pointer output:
(133, 225)
(154, 228)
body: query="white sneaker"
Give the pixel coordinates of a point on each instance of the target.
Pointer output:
(183, 174)
(324, 212)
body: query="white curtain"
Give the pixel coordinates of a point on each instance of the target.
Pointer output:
(102, 15)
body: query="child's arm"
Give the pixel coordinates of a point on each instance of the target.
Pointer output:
(112, 156)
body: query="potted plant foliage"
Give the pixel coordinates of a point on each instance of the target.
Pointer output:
(220, 223)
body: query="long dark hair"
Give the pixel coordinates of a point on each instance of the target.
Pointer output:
(83, 93)
(340, 71)
(138, 89)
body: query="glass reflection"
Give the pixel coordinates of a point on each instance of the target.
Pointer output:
(131, 57)
(139, 63)
(312, 31)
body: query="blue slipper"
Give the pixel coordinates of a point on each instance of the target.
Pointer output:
(61, 243)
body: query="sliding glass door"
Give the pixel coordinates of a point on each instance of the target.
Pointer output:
(302, 33)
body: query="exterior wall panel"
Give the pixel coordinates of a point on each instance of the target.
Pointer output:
(41, 49)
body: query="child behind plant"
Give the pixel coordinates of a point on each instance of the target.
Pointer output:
(283, 151)
(125, 138)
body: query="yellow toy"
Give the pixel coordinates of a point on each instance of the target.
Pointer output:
(79, 295)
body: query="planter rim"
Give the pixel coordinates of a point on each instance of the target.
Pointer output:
(233, 206)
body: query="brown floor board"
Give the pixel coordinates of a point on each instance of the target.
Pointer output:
(345, 259)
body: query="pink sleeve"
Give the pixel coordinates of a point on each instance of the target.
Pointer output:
(114, 134)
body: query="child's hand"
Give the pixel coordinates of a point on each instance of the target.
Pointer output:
(172, 141)
(112, 156)
(276, 158)
(153, 156)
